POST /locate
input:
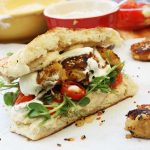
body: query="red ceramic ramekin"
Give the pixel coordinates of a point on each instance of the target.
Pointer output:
(133, 15)
(82, 14)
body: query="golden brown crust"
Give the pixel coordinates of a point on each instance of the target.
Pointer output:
(141, 51)
(138, 121)
(111, 57)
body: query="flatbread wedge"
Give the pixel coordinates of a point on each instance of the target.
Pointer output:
(62, 76)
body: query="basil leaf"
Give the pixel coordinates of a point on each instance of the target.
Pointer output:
(37, 110)
(9, 98)
(84, 101)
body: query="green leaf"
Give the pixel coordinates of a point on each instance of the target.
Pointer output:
(9, 98)
(5, 86)
(103, 83)
(63, 111)
(37, 110)
(37, 107)
(48, 98)
(84, 101)
(9, 54)
(67, 105)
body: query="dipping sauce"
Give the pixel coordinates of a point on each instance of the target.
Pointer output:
(81, 14)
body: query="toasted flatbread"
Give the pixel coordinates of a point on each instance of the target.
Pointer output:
(45, 48)
(32, 128)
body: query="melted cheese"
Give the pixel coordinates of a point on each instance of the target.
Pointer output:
(28, 84)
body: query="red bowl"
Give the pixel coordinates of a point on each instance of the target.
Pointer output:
(133, 15)
(81, 14)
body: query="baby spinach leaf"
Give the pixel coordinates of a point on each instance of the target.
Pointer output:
(84, 101)
(9, 98)
(38, 110)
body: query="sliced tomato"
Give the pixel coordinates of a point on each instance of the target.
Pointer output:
(118, 81)
(22, 98)
(73, 90)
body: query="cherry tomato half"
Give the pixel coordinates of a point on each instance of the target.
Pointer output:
(118, 81)
(22, 98)
(73, 90)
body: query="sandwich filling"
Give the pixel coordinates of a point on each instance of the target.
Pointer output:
(64, 85)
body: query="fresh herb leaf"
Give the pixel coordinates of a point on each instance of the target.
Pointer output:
(10, 97)
(37, 110)
(66, 106)
(9, 54)
(47, 98)
(103, 83)
(5, 86)
(84, 101)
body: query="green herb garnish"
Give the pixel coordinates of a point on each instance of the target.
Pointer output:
(9, 97)
(84, 101)
(9, 53)
(6, 86)
(37, 110)
(68, 105)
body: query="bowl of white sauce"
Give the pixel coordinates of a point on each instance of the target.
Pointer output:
(82, 14)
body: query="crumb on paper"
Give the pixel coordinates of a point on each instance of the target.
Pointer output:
(102, 121)
(99, 118)
(69, 139)
(59, 145)
(129, 136)
(100, 112)
(148, 91)
(83, 137)
(134, 102)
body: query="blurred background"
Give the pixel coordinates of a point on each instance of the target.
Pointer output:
(22, 20)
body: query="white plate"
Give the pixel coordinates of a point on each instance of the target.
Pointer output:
(110, 135)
